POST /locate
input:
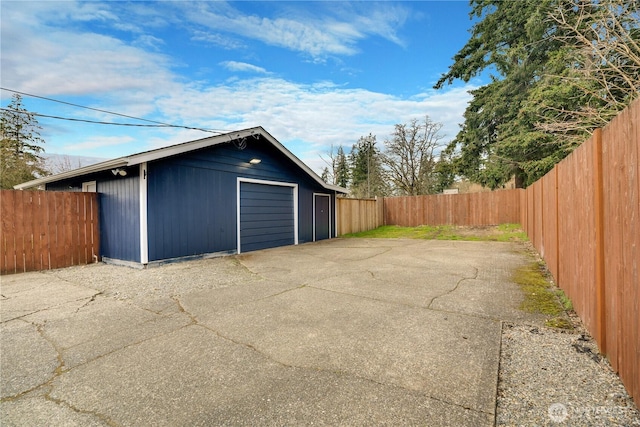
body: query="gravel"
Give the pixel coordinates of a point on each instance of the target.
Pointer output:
(551, 377)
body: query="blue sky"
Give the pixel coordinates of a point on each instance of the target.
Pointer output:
(313, 74)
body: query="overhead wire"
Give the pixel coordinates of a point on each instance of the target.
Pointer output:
(156, 124)
(107, 123)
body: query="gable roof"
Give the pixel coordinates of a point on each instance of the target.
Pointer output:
(160, 153)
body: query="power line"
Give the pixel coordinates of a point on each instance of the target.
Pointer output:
(93, 121)
(156, 123)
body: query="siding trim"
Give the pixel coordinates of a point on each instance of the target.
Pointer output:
(144, 233)
(276, 183)
(314, 213)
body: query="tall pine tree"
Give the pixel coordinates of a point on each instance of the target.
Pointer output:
(20, 147)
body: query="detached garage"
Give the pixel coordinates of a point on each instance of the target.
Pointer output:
(232, 193)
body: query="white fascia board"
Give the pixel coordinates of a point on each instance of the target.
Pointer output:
(190, 146)
(98, 167)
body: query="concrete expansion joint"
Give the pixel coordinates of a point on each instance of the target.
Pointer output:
(455, 288)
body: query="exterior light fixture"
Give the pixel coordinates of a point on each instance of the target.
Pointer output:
(254, 161)
(119, 171)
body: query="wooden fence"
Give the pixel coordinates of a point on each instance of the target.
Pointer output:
(584, 219)
(44, 230)
(355, 215)
(487, 208)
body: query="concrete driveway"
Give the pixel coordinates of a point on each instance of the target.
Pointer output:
(341, 332)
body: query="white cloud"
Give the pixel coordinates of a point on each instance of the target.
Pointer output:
(225, 42)
(335, 31)
(308, 118)
(53, 59)
(96, 142)
(243, 66)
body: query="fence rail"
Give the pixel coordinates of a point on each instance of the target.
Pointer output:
(44, 230)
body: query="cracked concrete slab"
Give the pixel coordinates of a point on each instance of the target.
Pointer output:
(341, 332)
(387, 343)
(37, 410)
(28, 358)
(195, 377)
(39, 293)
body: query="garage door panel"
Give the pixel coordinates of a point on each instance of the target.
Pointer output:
(254, 197)
(267, 216)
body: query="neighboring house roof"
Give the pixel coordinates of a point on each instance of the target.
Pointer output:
(173, 150)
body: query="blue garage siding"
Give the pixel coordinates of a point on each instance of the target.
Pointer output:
(120, 218)
(189, 212)
(192, 197)
(267, 219)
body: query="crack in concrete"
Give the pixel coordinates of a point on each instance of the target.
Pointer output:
(335, 372)
(61, 402)
(92, 299)
(269, 357)
(48, 308)
(475, 276)
(56, 372)
(181, 309)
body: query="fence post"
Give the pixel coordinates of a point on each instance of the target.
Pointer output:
(557, 242)
(599, 246)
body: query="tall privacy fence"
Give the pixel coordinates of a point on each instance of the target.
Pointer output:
(489, 208)
(355, 215)
(583, 217)
(44, 230)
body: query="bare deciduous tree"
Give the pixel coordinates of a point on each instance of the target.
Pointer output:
(410, 156)
(602, 71)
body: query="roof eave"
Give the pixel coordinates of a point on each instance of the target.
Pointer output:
(97, 167)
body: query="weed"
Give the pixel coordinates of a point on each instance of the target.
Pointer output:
(540, 296)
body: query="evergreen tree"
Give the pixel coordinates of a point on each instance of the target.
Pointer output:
(20, 147)
(341, 169)
(560, 68)
(368, 178)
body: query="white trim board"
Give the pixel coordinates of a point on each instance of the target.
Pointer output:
(265, 182)
(144, 233)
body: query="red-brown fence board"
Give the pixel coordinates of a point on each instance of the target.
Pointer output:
(583, 218)
(592, 247)
(44, 230)
(476, 209)
(621, 211)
